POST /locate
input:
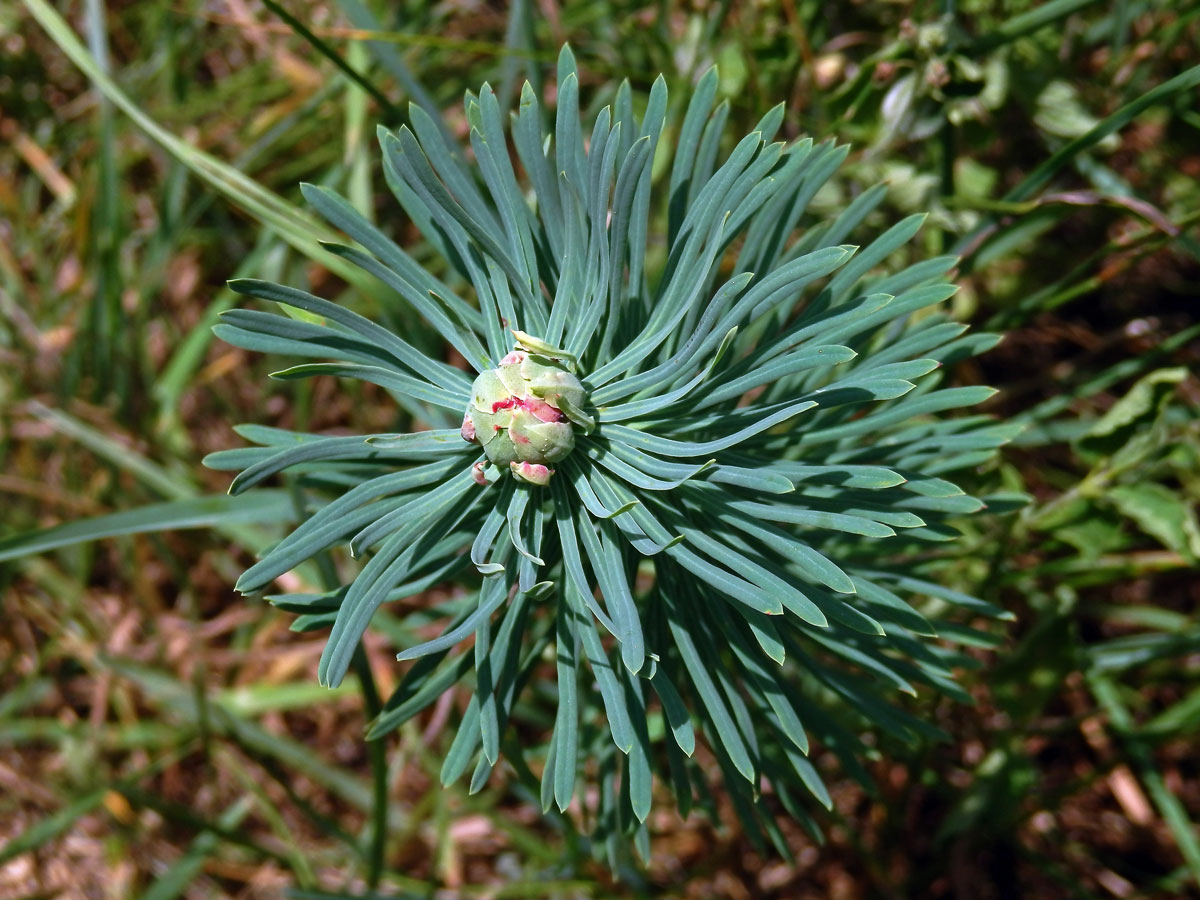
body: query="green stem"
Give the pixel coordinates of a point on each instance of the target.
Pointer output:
(377, 756)
(333, 56)
(372, 705)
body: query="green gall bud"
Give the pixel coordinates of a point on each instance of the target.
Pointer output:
(517, 413)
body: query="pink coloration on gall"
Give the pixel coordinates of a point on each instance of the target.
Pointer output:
(534, 473)
(468, 429)
(542, 410)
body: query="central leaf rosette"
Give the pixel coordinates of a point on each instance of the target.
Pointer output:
(524, 413)
(729, 605)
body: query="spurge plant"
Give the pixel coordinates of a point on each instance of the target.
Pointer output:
(685, 486)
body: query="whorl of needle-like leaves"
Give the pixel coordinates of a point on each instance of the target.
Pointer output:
(723, 549)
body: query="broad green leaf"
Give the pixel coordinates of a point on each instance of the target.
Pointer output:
(1161, 513)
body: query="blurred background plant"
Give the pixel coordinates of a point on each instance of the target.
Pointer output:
(160, 737)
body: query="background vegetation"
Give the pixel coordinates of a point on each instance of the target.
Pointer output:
(160, 737)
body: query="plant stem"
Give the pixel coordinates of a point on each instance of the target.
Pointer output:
(377, 756)
(377, 749)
